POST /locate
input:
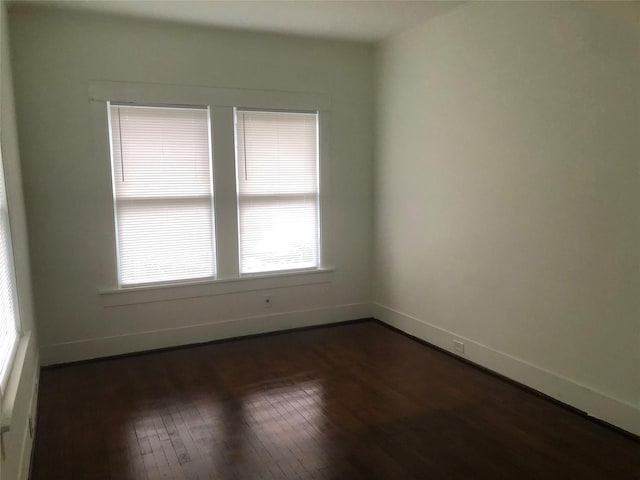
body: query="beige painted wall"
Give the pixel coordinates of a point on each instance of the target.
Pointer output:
(17, 441)
(68, 192)
(507, 189)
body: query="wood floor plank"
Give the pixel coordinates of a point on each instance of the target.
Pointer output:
(356, 401)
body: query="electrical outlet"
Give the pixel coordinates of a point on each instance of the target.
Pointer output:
(458, 346)
(268, 301)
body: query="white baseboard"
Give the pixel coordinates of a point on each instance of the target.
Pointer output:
(236, 327)
(596, 404)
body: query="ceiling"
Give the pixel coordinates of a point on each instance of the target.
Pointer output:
(361, 20)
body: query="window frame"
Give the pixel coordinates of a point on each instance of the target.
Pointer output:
(318, 239)
(221, 103)
(210, 198)
(7, 367)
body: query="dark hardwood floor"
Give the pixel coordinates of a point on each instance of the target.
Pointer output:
(357, 401)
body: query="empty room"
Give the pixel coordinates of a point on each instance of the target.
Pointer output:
(316, 239)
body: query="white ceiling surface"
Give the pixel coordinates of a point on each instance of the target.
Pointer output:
(361, 20)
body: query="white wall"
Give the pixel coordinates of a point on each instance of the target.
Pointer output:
(506, 186)
(17, 441)
(68, 192)
(507, 190)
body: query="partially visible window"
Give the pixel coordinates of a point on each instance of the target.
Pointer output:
(163, 193)
(277, 175)
(8, 295)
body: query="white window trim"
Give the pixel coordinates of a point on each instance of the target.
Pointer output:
(221, 102)
(116, 297)
(10, 392)
(8, 366)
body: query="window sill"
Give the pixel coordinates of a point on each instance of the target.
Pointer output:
(116, 297)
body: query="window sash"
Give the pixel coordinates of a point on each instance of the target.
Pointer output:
(163, 193)
(277, 176)
(147, 249)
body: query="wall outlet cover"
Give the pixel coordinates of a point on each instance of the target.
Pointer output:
(458, 346)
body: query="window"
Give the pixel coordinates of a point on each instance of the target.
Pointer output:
(8, 294)
(212, 184)
(163, 194)
(277, 171)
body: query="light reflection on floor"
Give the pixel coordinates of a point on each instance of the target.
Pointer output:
(272, 432)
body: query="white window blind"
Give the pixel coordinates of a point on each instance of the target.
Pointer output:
(163, 193)
(8, 296)
(277, 170)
